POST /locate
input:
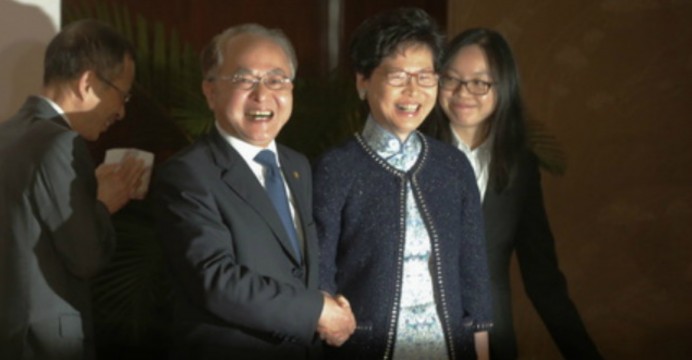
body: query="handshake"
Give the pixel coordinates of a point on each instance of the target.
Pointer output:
(123, 176)
(336, 323)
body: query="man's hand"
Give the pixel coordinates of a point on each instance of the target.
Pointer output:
(336, 323)
(118, 183)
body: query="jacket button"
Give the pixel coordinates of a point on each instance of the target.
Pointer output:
(297, 272)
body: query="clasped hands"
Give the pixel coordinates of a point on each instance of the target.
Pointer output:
(118, 183)
(336, 323)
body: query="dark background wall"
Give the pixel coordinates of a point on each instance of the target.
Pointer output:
(324, 80)
(612, 79)
(304, 21)
(25, 30)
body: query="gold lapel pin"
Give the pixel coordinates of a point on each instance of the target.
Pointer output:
(296, 175)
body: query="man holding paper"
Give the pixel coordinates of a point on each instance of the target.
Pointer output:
(55, 227)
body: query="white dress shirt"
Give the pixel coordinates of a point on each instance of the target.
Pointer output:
(248, 152)
(479, 158)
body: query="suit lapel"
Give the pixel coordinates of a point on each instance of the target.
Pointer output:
(295, 178)
(489, 204)
(500, 209)
(237, 175)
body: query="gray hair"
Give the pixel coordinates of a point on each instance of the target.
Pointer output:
(213, 55)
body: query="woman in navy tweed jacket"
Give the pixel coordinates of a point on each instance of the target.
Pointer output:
(400, 236)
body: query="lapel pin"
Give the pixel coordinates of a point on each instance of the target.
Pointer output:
(296, 175)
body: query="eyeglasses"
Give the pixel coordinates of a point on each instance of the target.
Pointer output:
(401, 78)
(274, 82)
(474, 86)
(125, 95)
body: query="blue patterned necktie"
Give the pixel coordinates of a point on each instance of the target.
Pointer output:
(274, 185)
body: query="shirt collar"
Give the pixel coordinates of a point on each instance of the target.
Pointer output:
(57, 109)
(483, 148)
(246, 150)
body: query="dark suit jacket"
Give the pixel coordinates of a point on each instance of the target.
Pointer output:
(240, 291)
(515, 219)
(54, 235)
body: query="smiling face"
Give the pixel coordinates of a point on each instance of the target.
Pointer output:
(468, 113)
(103, 101)
(255, 115)
(400, 109)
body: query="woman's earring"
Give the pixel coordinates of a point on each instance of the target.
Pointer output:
(361, 94)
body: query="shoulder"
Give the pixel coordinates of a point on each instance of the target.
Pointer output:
(193, 153)
(36, 131)
(51, 143)
(527, 162)
(440, 148)
(44, 146)
(345, 156)
(526, 157)
(445, 157)
(338, 168)
(344, 151)
(190, 161)
(291, 155)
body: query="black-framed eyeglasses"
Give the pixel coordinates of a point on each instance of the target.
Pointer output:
(401, 78)
(474, 86)
(124, 95)
(273, 82)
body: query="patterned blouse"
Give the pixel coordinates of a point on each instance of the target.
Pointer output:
(419, 332)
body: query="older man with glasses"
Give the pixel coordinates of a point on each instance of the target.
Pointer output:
(234, 215)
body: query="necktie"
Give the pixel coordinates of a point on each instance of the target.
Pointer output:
(274, 185)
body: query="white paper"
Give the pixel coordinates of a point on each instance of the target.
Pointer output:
(117, 155)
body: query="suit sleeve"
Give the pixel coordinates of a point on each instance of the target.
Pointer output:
(475, 287)
(199, 247)
(65, 197)
(329, 194)
(544, 282)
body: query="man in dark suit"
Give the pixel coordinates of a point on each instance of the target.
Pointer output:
(243, 259)
(55, 229)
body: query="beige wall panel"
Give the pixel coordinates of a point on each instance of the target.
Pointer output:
(612, 80)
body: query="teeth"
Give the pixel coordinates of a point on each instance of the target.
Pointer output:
(407, 108)
(260, 114)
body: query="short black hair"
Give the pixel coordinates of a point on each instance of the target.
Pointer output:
(383, 34)
(85, 45)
